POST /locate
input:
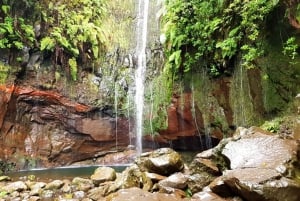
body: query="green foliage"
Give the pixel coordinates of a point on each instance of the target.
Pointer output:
(4, 71)
(76, 27)
(47, 43)
(298, 12)
(3, 194)
(158, 102)
(31, 177)
(73, 68)
(272, 126)
(209, 34)
(15, 33)
(188, 193)
(6, 166)
(290, 48)
(73, 32)
(118, 23)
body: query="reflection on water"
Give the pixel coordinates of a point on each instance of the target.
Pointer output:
(61, 173)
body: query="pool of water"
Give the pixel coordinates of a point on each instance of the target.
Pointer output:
(61, 173)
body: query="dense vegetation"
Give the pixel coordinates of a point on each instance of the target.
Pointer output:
(221, 37)
(216, 34)
(71, 31)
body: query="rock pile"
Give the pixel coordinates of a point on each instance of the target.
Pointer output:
(253, 165)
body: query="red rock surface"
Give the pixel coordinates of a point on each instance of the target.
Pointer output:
(54, 129)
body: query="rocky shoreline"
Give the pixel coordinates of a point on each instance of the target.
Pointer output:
(253, 165)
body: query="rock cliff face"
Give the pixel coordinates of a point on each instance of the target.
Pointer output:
(53, 129)
(42, 124)
(45, 127)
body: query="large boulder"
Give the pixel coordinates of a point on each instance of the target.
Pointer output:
(202, 171)
(258, 149)
(164, 161)
(133, 177)
(103, 174)
(257, 184)
(14, 186)
(261, 166)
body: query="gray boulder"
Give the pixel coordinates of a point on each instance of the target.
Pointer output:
(262, 166)
(164, 161)
(103, 174)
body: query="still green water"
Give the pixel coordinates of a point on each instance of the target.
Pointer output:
(61, 173)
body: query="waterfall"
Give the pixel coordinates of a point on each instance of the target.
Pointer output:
(116, 115)
(241, 100)
(141, 43)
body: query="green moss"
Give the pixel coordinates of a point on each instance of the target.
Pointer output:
(3, 194)
(158, 99)
(280, 65)
(119, 23)
(202, 88)
(214, 32)
(4, 72)
(297, 175)
(273, 126)
(280, 79)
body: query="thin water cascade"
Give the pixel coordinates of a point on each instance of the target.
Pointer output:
(241, 98)
(141, 43)
(116, 115)
(129, 124)
(194, 112)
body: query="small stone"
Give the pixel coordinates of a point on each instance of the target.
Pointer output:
(177, 180)
(4, 178)
(205, 154)
(86, 199)
(47, 194)
(34, 198)
(36, 185)
(154, 176)
(82, 184)
(219, 187)
(15, 186)
(56, 184)
(79, 194)
(197, 182)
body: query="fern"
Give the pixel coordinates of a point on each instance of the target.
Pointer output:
(76, 30)
(211, 33)
(15, 33)
(73, 68)
(47, 43)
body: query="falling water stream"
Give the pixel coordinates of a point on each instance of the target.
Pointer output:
(116, 111)
(141, 43)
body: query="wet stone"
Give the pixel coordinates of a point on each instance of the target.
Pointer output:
(56, 184)
(103, 174)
